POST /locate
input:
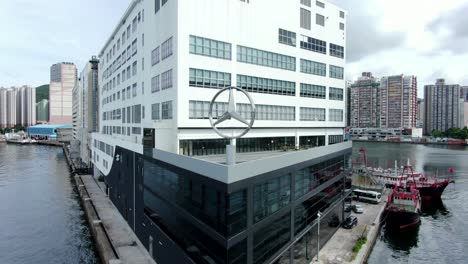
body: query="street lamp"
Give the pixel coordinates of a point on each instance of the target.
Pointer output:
(318, 234)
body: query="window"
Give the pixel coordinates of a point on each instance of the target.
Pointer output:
(155, 56)
(271, 196)
(209, 79)
(143, 40)
(313, 67)
(164, 2)
(263, 85)
(270, 239)
(136, 114)
(123, 94)
(128, 52)
(336, 51)
(313, 91)
(333, 139)
(128, 72)
(155, 111)
(341, 26)
(166, 110)
(265, 58)
(128, 92)
(128, 32)
(305, 19)
(306, 3)
(335, 94)
(319, 4)
(124, 56)
(134, 90)
(155, 84)
(336, 72)
(118, 44)
(166, 79)
(302, 181)
(319, 20)
(142, 64)
(142, 87)
(341, 14)
(134, 25)
(157, 5)
(134, 68)
(166, 49)
(134, 47)
(335, 115)
(123, 37)
(312, 114)
(209, 47)
(287, 37)
(313, 44)
(118, 79)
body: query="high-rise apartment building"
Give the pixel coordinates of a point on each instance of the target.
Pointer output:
(365, 102)
(442, 106)
(420, 113)
(17, 106)
(62, 80)
(398, 101)
(42, 111)
(165, 166)
(85, 108)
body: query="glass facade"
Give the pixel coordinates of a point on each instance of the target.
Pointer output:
(336, 50)
(209, 47)
(334, 139)
(213, 225)
(313, 67)
(335, 115)
(264, 85)
(311, 141)
(265, 58)
(313, 91)
(202, 147)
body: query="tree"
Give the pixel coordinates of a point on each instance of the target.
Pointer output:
(436, 133)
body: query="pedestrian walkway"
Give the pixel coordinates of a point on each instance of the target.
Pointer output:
(127, 246)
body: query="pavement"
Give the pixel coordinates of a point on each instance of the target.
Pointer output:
(339, 248)
(128, 247)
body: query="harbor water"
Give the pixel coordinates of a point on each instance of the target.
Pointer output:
(41, 220)
(442, 236)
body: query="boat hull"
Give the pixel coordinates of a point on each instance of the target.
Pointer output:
(432, 192)
(401, 220)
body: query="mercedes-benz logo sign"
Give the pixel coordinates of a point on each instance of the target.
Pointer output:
(231, 113)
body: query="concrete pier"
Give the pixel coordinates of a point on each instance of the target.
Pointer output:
(116, 242)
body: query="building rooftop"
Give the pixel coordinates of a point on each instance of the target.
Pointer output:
(51, 126)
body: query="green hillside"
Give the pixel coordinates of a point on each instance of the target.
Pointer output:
(42, 92)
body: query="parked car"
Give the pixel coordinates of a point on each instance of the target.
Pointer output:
(357, 208)
(348, 207)
(350, 221)
(334, 221)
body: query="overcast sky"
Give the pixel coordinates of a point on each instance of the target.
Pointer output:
(426, 38)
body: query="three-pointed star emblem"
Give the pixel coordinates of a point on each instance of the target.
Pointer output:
(231, 112)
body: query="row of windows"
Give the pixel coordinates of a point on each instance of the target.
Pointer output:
(200, 110)
(313, 91)
(265, 58)
(313, 67)
(209, 47)
(164, 112)
(313, 44)
(334, 139)
(105, 148)
(111, 130)
(309, 3)
(264, 85)
(312, 114)
(209, 79)
(306, 19)
(336, 51)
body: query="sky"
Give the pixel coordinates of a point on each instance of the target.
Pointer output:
(426, 38)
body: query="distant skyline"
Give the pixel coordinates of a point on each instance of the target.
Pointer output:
(428, 38)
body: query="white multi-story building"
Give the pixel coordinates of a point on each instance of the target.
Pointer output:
(17, 106)
(164, 62)
(63, 78)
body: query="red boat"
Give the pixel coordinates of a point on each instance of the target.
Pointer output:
(403, 208)
(429, 189)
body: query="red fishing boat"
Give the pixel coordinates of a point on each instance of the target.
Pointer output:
(403, 208)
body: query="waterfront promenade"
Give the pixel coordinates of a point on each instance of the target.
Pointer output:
(339, 249)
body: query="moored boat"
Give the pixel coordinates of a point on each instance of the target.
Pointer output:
(403, 208)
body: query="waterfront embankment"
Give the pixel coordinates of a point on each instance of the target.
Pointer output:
(339, 249)
(115, 241)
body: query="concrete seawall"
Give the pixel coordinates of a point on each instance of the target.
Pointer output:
(115, 241)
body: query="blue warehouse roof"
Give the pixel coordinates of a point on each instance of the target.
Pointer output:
(45, 130)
